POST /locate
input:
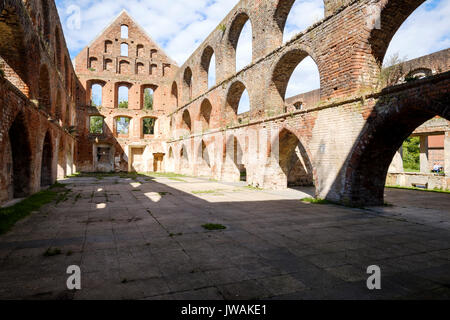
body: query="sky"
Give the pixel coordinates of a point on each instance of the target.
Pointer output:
(180, 26)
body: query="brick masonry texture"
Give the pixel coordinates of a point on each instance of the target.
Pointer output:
(342, 140)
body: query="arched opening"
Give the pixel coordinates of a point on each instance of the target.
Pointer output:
(140, 50)
(124, 67)
(186, 123)
(171, 162)
(174, 94)
(122, 93)
(44, 90)
(20, 157)
(58, 49)
(67, 116)
(109, 65)
(148, 97)
(108, 46)
(96, 95)
(96, 125)
(293, 160)
(234, 168)
(122, 125)
(295, 82)
(242, 41)
(204, 162)
(124, 50)
(93, 64)
(187, 79)
(184, 160)
(205, 114)
(238, 101)
(140, 68)
(46, 19)
(67, 73)
(153, 53)
(293, 17)
(382, 137)
(58, 108)
(62, 162)
(153, 69)
(208, 67)
(148, 126)
(124, 31)
(47, 159)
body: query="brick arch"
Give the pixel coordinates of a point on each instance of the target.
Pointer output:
(47, 160)
(186, 121)
(205, 62)
(367, 165)
(89, 85)
(234, 94)
(45, 101)
(392, 15)
(236, 25)
(282, 73)
(187, 84)
(203, 155)
(58, 54)
(174, 93)
(21, 157)
(46, 18)
(205, 114)
(286, 166)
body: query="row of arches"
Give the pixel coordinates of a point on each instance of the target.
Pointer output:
(126, 67)
(287, 164)
(123, 125)
(23, 159)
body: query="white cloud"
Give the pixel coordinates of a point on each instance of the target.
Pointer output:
(180, 27)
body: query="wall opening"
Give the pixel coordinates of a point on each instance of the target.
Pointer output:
(187, 77)
(96, 124)
(123, 126)
(148, 126)
(123, 91)
(124, 50)
(47, 159)
(44, 90)
(124, 31)
(186, 123)
(205, 114)
(148, 99)
(96, 95)
(21, 157)
(244, 47)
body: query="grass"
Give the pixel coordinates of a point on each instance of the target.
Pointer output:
(316, 201)
(253, 188)
(419, 189)
(213, 226)
(177, 179)
(9, 216)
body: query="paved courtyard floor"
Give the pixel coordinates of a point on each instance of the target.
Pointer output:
(143, 239)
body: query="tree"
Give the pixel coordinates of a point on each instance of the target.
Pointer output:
(123, 104)
(411, 154)
(392, 70)
(149, 126)
(148, 99)
(96, 125)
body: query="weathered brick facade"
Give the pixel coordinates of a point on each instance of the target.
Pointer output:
(342, 140)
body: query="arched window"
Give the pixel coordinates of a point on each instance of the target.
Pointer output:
(208, 67)
(109, 65)
(241, 40)
(108, 46)
(123, 96)
(153, 53)
(153, 69)
(44, 89)
(140, 69)
(174, 93)
(124, 31)
(186, 121)
(148, 126)
(124, 67)
(238, 101)
(188, 84)
(93, 63)
(123, 125)
(148, 99)
(205, 114)
(124, 50)
(140, 50)
(302, 14)
(96, 124)
(96, 95)
(296, 81)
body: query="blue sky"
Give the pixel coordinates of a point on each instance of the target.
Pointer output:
(180, 26)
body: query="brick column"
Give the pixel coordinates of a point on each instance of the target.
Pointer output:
(424, 166)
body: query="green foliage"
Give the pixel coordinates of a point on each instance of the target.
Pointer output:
(123, 125)
(123, 104)
(392, 71)
(149, 126)
(411, 154)
(50, 252)
(9, 216)
(96, 125)
(148, 99)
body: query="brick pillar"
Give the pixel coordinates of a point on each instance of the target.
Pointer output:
(424, 166)
(397, 162)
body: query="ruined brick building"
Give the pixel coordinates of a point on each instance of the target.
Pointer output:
(151, 115)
